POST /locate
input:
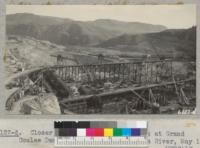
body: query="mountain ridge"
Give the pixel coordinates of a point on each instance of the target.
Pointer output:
(178, 42)
(66, 31)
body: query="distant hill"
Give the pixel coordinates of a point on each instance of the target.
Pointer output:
(175, 42)
(70, 32)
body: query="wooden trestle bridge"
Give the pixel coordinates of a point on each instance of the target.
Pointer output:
(139, 72)
(136, 85)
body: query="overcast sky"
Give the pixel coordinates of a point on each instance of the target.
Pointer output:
(171, 16)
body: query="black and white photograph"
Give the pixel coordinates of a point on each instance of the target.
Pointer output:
(100, 59)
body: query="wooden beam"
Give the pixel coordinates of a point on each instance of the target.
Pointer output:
(124, 90)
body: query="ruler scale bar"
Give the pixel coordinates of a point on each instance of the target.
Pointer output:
(103, 141)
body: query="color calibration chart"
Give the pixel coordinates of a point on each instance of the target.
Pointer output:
(100, 133)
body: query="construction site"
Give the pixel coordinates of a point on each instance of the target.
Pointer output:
(143, 86)
(133, 62)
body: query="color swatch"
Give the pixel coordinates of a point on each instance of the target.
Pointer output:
(99, 129)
